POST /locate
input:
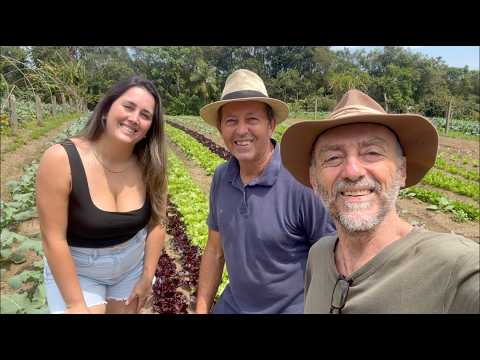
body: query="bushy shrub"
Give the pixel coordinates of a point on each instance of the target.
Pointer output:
(324, 104)
(184, 105)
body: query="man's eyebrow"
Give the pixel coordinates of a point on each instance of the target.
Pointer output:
(330, 147)
(375, 140)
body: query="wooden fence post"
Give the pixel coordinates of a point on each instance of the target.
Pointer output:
(38, 104)
(64, 103)
(449, 113)
(315, 108)
(54, 105)
(12, 120)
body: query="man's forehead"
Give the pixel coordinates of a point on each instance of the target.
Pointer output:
(250, 106)
(357, 134)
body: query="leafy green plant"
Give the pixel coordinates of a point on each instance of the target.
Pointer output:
(22, 206)
(29, 296)
(33, 131)
(464, 127)
(31, 301)
(190, 201)
(194, 123)
(439, 202)
(452, 168)
(194, 150)
(192, 204)
(279, 130)
(443, 181)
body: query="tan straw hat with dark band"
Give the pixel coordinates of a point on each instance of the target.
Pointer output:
(244, 85)
(416, 134)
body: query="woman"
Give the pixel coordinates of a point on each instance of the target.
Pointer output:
(101, 200)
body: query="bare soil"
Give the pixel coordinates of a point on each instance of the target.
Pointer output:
(468, 147)
(12, 163)
(414, 211)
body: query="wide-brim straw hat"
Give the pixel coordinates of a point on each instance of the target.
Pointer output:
(416, 134)
(244, 85)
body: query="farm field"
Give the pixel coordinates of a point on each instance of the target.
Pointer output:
(447, 200)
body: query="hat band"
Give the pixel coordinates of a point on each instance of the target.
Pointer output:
(354, 110)
(243, 94)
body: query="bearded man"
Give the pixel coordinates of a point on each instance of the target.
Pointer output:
(356, 161)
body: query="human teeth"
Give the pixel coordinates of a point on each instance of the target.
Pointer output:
(129, 129)
(357, 193)
(242, 142)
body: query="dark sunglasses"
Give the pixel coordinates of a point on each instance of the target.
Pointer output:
(339, 295)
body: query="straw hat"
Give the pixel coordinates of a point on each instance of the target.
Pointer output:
(417, 136)
(244, 85)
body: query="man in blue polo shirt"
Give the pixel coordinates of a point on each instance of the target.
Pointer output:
(262, 222)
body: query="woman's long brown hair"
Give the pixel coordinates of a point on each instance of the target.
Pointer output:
(150, 151)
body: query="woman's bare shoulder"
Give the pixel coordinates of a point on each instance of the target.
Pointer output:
(54, 153)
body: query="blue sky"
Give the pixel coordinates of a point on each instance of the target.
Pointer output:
(456, 56)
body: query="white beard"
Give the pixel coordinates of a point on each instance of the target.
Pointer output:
(353, 220)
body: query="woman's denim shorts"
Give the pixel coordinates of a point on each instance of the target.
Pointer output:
(103, 273)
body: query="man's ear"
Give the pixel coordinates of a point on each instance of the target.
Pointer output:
(273, 124)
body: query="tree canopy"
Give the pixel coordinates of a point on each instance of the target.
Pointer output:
(189, 77)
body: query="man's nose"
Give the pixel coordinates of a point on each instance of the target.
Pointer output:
(353, 169)
(242, 128)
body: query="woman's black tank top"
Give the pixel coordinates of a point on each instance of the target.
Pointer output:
(89, 226)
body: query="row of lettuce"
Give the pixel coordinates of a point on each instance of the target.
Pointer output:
(185, 194)
(191, 204)
(447, 174)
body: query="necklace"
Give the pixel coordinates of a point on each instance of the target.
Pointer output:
(104, 166)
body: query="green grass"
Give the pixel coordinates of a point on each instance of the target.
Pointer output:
(457, 135)
(307, 115)
(31, 130)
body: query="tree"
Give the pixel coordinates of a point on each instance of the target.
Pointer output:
(341, 82)
(287, 85)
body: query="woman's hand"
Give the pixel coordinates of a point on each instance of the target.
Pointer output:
(78, 309)
(141, 291)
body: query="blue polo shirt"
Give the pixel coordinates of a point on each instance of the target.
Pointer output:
(267, 228)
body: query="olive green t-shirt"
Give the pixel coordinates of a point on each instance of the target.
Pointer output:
(424, 272)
